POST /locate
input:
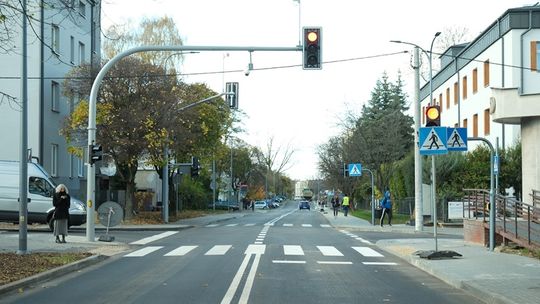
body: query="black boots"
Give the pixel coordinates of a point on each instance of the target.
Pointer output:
(58, 240)
(63, 239)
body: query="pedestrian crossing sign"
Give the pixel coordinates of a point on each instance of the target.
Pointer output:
(355, 169)
(457, 139)
(433, 140)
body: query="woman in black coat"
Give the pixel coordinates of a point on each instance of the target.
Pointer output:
(61, 202)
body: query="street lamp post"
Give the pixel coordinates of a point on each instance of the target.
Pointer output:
(418, 159)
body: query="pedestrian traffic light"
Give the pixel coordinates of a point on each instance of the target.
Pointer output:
(433, 116)
(195, 166)
(312, 59)
(231, 91)
(95, 153)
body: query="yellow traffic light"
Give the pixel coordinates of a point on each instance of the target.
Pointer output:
(433, 116)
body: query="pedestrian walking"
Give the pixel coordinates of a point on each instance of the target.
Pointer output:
(61, 203)
(386, 205)
(335, 205)
(345, 205)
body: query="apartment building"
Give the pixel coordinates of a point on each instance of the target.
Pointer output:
(491, 86)
(61, 35)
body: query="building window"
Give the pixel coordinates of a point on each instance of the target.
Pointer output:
(465, 123)
(72, 50)
(54, 160)
(486, 122)
(535, 55)
(440, 101)
(80, 166)
(456, 93)
(486, 73)
(475, 81)
(464, 86)
(448, 98)
(82, 53)
(82, 8)
(55, 39)
(55, 96)
(475, 125)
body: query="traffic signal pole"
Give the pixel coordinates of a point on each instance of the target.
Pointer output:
(91, 169)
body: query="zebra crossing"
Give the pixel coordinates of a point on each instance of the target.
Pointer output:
(281, 254)
(268, 224)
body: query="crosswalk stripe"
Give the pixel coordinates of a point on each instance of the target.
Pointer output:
(218, 250)
(329, 251)
(181, 251)
(292, 250)
(334, 263)
(307, 225)
(287, 225)
(287, 262)
(325, 226)
(232, 225)
(380, 263)
(212, 225)
(143, 251)
(367, 252)
(156, 237)
(249, 225)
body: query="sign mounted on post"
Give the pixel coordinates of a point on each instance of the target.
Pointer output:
(433, 141)
(355, 169)
(457, 139)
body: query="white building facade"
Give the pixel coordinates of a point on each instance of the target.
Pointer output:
(62, 34)
(491, 86)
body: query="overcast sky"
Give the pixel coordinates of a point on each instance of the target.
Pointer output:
(297, 107)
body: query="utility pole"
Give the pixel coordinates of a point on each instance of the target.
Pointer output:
(23, 169)
(418, 198)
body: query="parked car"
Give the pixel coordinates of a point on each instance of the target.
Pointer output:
(304, 205)
(40, 191)
(261, 205)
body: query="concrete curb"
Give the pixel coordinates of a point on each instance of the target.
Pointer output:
(52, 273)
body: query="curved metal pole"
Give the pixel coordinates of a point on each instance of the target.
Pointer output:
(492, 206)
(91, 178)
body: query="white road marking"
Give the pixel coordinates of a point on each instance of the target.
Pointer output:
(255, 249)
(368, 252)
(257, 242)
(218, 250)
(212, 225)
(325, 226)
(249, 225)
(181, 251)
(329, 251)
(307, 225)
(156, 237)
(380, 263)
(236, 281)
(143, 251)
(287, 225)
(232, 225)
(292, 250)
(287, 262)
(364, 241)
(249, 281)
(334, 263)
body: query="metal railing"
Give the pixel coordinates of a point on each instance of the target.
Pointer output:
(515, 221)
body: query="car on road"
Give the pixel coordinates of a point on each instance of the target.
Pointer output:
(222, 205)
(304, 205)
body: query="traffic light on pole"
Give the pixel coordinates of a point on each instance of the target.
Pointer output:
(95, 153)
(312, 59)
(433, 116)
(195, 166)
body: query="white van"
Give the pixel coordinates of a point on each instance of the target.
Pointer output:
(40, 190)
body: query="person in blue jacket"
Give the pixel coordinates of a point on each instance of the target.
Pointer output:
(386, 205)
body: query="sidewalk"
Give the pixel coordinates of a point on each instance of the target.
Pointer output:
(493, 277)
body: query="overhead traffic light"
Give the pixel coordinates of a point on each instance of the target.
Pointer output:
(433, 116)
(231, 89)
(195, 166)
(312, 59)
(95, 153)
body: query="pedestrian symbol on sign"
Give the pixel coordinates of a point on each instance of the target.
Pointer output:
(433, 140)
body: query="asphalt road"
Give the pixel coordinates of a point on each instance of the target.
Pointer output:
(283, 255)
